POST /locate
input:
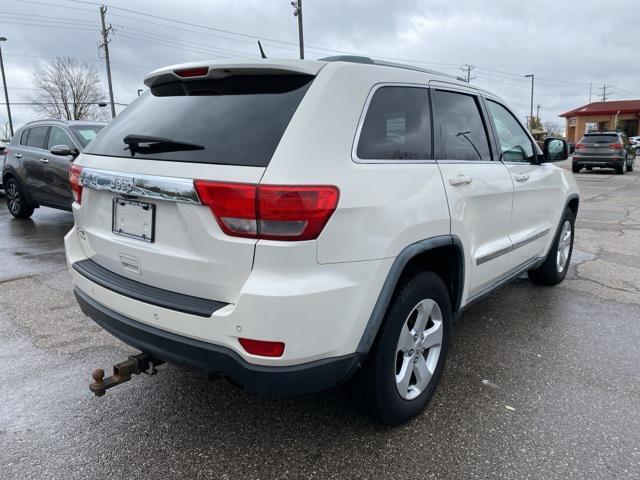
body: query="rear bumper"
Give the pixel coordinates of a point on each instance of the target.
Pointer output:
(598, 161)
(207, 357)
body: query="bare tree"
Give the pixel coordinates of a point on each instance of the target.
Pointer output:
(5, 131)
(67, 88)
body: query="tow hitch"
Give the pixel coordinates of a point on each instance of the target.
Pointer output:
(134, 365)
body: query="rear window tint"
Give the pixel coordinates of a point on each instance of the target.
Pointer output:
(238, 120)
(599, 139)
(396, 126)
(37, 137)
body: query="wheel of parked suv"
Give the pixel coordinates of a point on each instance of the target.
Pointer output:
(630, 166)
(405, 365)
(575, 168)
(555, 266)
(16, 201)
(622, 168)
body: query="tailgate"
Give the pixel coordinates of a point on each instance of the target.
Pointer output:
(158, 233)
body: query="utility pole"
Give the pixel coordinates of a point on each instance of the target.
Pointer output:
(538, 112)
(105, 45)
(6, 92)
(532, 76)
(297, 12)
(604, 88)
(467, 68)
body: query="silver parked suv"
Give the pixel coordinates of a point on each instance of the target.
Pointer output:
(604, 149)
(36, 170)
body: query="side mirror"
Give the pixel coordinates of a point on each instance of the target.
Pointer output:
(64, 151)
(555, 150)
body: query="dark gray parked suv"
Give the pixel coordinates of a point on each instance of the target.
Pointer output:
(36, 168)
(604, 149)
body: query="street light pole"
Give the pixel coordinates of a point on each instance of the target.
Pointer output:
(297, 12)
(6, 92)
(532, 76)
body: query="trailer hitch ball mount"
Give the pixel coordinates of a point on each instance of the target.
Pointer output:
(122, 372)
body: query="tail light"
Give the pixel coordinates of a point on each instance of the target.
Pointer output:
(269, 212)
(616, 146)
(262, 347)
(74, 182)
(579, 146)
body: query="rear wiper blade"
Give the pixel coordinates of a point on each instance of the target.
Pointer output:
(150, 144)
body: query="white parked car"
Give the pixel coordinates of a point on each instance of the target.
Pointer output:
(293, 225)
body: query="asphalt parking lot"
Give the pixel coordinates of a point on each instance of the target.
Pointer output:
(541, 383)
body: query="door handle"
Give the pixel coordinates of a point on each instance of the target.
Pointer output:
(460, 179)
(521, 177)
(44, 160)
(17, 155)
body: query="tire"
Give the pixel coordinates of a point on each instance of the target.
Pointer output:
(575, 168)
(378, 385)
(630, 167)
(551, 272)
(16, 201)
(620, 169)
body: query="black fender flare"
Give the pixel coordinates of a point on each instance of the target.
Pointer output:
(390, 283)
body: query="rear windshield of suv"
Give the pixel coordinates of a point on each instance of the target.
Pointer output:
(238, 120)
(86, 133)
(612, 138)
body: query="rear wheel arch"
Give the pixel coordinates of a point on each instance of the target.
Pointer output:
(442, 255)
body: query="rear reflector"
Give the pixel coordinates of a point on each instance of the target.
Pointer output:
(74, 182)
(269, 212)
(192, 72)
(262, 347)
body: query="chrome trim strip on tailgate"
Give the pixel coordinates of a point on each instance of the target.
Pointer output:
(148, 186)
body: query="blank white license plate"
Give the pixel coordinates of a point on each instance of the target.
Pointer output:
(134, 219)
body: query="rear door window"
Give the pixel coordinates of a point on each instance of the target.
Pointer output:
(460, 129)
(37, 137)
(237, 120)
(23, 137)
(396, 126)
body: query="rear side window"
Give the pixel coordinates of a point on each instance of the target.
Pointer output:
(396, 126)
(37, 136)
(459, 127)
(599, 139)
(237, 120)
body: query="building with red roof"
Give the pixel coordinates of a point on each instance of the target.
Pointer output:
(602, 116)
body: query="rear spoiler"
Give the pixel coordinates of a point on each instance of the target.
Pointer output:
(206, 70)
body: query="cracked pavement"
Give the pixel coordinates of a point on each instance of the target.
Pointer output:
(541, 383)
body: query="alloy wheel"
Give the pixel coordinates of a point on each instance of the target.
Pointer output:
(13, 198)
(418, 349)
(564, 246)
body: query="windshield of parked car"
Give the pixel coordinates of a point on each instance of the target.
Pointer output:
(86, 133)
(599, 139)
(237, 120)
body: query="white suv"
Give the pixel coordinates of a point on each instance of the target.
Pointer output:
(293, 224)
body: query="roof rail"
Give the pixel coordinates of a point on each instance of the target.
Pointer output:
(371, 61)
(46, 120)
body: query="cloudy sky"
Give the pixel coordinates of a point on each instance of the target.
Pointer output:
(567, 44)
